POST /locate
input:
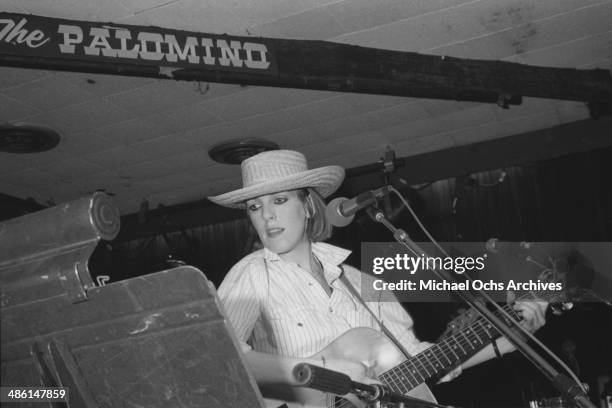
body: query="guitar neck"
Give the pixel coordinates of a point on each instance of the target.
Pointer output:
(442, 356)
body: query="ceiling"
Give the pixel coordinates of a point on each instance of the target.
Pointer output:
(140, 138)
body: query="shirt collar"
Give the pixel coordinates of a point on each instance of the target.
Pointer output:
(330, 256)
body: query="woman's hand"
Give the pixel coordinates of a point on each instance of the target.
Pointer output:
(533, 313)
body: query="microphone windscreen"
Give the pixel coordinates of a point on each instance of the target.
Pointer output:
(332, 213)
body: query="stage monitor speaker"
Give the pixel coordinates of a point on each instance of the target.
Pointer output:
(156, 341)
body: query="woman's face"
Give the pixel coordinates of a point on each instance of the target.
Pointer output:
(279, 219)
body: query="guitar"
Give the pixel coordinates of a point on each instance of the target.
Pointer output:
(406, 376)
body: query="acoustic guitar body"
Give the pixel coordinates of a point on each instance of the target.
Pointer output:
(363, 345)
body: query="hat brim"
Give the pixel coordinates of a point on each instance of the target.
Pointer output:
(325, 180)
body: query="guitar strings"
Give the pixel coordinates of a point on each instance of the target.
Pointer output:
(477, 328)
(394, 381)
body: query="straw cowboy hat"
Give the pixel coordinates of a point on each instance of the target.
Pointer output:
(279, 170)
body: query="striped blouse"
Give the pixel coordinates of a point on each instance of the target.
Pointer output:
(277, 307)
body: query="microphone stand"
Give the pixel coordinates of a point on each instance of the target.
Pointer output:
(567, 387)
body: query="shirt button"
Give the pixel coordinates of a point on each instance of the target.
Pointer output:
(331, 310)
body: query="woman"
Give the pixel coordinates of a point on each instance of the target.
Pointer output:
(288, 300)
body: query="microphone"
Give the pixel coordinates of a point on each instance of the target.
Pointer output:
(322, 379)
(341, 211)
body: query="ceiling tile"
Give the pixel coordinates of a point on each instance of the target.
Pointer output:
(138, 6)
(192, 15)
(437, 107)
(412, 130)
(351, 159)
(14, 6)
(118, 157)
(186, 118)
(322, 111)
(48, 93)
(535, 35)
(261, 11)
(315, 24)
(11, 77)
(569, 54)
(485, 131)
(164, 146)
(395, 115)
(244, 104)
(159, 96)
(339, 146)
(107, 181)
(89, 115)
(81, 143)
(362, 103)
(452, 25)
(32, 178)
(197, 159)
(587, 20)
(295, 138)
(296, 97)
(12, 110)
(263, 125)
(355, 15)
(172, 182)
(73, 168)
(10, 162)
(214, 187)
(341, 127)
(145, 170)
(211, 135)
(278, 98)
(91, 10)
(212, 90)
(130, 131)
(220, 172)
(253, 127)
(105, 85)
(468, 117)
(45, 119)
(41, 159)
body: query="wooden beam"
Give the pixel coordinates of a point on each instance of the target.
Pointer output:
(59, 44)
(515, 150)
(529, 147)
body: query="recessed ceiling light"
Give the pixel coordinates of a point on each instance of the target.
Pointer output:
(235, 151)
(27, 138)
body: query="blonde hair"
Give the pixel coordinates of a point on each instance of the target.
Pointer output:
(317, 227)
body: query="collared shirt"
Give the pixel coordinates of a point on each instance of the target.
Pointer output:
(277, 307)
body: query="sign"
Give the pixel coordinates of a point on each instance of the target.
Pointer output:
(44, 37)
